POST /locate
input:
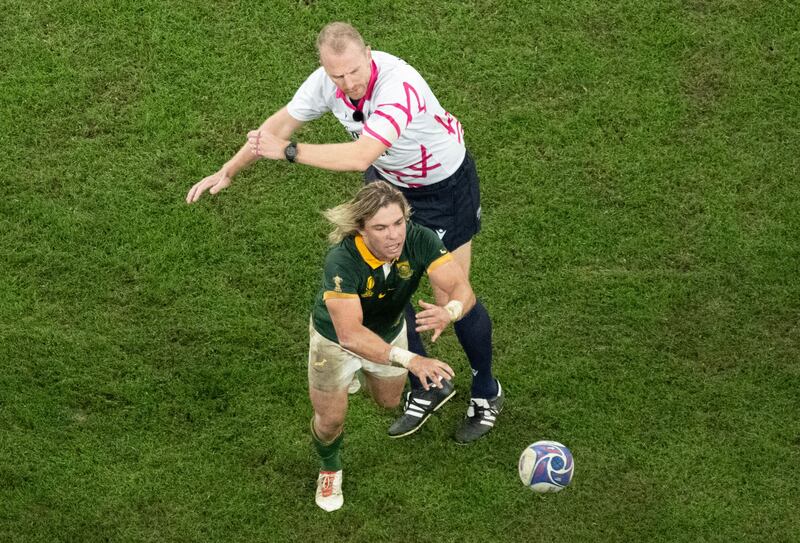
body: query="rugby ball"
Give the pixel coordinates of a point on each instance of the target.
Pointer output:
(546, 466)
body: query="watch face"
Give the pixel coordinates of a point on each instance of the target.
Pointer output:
(290, 152)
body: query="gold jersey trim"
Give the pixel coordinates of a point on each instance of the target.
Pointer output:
(366, 254)
(330, 294)
(444, 259)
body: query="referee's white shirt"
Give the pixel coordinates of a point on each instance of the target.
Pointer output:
(426, 143)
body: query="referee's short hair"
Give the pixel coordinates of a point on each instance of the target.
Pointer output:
(337, 36)
(351, 216)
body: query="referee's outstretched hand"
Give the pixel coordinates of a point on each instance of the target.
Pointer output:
(215, 182)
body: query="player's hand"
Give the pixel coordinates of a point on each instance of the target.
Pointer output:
(267, 145)
(432, 317)
(430, 371)
(215, 182)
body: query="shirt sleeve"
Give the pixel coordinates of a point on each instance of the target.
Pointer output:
(339, 279)
(430, 250)
(309, 101)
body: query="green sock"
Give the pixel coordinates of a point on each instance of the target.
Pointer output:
(328, 452)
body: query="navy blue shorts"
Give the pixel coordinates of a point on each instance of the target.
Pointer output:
(451, 207)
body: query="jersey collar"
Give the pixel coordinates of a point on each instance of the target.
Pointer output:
(366, 254)
(373, 77)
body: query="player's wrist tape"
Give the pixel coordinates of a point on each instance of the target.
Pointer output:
(401, 357)
(454, 308)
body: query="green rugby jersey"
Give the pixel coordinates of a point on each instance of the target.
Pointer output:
(351, 271)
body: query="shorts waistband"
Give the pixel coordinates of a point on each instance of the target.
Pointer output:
(445, 183)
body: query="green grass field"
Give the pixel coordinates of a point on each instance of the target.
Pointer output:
(639, 257)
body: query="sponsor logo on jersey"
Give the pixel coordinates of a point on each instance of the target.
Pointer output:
(337, 281)
(441, 232)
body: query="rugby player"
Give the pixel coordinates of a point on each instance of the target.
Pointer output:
(357, 322)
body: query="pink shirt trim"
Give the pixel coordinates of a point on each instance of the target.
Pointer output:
(377, 136)
(390, 119)
(373, 77)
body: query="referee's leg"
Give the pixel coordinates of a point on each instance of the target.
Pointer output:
(474, 332)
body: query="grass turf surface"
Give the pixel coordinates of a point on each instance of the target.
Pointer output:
(639, 259)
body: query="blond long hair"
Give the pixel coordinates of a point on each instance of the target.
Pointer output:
(350, 217)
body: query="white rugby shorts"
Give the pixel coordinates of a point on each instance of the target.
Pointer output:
(331, 367)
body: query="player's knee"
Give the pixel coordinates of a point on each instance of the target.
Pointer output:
(329, 425)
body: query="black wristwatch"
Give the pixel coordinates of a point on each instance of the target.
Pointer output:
(291, 151)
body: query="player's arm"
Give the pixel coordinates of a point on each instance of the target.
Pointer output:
(450, 278)
(353, 156)
(280, 124)
(347, 318)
